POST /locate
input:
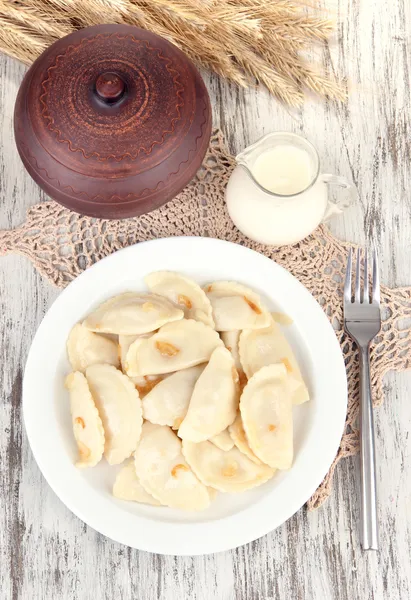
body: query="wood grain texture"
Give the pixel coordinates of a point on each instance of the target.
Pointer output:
(46, 552)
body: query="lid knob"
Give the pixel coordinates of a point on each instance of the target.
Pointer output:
(110, 87)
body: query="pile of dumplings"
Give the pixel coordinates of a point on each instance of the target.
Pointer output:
(192, 389)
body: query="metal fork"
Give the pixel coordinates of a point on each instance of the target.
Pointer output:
(362, 321)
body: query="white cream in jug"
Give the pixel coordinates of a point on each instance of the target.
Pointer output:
(281, 219)
(284, 170)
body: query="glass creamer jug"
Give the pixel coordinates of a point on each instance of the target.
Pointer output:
(276, 195)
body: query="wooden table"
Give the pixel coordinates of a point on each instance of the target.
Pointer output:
(49, 554)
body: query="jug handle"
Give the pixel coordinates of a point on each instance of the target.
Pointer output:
(336, 208)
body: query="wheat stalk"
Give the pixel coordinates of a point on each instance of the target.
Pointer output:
(35, 20)
(242, 40)
(17, 41)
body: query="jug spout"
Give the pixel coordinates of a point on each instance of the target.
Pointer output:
(270, 141)
(281, 163)
(248, 156)
(241, 159)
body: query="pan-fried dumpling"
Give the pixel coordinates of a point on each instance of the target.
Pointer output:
(132, 314)
(231, 341)
(267, 415)
(268, 346)
(184, 292)
(127, 486)
(223, 440)
(164, 472)
(239, 438)
(228, 471)
(87, 426)
(235, 306)
(174, 347)
(213, 405)
(119, 406)
(85, 348)
(167, 403)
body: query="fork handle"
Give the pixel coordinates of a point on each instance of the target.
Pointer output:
(369, 519)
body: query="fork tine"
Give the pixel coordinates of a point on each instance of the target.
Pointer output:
(375, 278)
(366, 294)
(348, 274)
(357, 277)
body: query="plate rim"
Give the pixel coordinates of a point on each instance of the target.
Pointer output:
(205, 545)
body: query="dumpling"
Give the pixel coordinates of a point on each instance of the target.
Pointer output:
(228, 471)
(267, 415)
(235, 306)
(231, 341)
(87, 426)
(222, 440)
(127, 486)
(213, 405)
(239, 438)
(164, 472)
(85, 348)
(174, 347)
(119, 406)
(144, 384)
(132, 314)
(184, 292)
(124, 343)
(282, 318)
(167, 403)
(268, 346)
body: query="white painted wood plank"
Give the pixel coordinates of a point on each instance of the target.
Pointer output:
(46, 552)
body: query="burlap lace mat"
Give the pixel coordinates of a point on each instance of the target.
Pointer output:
(62, 244)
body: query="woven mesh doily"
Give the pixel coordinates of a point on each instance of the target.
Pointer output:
(62, 244)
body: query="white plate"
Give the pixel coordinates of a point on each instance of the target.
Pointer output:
(232, 519)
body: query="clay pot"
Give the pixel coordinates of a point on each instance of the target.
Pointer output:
(112, 121)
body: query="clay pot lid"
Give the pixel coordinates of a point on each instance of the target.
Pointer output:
(112, 121)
